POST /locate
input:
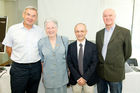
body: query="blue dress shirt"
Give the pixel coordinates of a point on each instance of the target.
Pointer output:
(107, 36)
(24, 43)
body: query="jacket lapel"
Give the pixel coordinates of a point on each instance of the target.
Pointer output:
(58, 43)
(102, 38)
(48, 44)
(74, 52)
(116, 30)
(85, 50)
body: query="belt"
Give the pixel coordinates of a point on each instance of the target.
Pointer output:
(27, 63)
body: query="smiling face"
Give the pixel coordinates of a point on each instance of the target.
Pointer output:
(30, 17)
(109, 17)
(51, 29)
(80, 32)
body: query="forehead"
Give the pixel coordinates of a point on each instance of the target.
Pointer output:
(109, 12)
(80, 27)
(48, 24)
(31, 11)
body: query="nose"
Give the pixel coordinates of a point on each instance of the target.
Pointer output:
(30, 17)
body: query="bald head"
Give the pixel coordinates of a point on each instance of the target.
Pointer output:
(109, 10)
(109, 16)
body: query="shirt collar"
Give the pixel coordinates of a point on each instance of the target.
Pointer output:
(112, 28)
(83, 42)
(22, 26)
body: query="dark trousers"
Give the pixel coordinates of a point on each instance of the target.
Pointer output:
(115, 87)
(25, 77)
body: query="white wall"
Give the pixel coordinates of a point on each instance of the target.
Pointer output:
(21, 4)
(2, 7)
(136, 32)
(123, 10)
(11, 12)
(70, 12)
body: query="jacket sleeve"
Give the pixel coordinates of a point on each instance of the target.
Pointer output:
(72, 69)
(127, 45)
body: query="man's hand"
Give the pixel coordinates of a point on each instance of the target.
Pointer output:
(81, 81)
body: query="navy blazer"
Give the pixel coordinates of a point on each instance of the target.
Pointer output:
(89, 63)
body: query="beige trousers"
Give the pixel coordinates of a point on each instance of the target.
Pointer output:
(86, 89)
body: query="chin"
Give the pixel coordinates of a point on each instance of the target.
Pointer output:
(51, 35)
(80, 39)
(108, 24)
(30, 24)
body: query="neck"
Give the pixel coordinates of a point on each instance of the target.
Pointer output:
(52, 38)
(27, 26)
(81, 40)
(108, 27)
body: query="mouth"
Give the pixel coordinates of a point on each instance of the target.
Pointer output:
(79, 36)
(30, 21)
(51, 33)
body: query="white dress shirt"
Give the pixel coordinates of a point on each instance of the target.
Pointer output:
(78, 47)
(24, 43)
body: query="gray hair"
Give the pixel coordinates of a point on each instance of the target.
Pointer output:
(110, 9)
(30, 7)
(80, 24)
(51, 20)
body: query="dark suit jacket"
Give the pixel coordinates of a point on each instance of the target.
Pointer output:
(118, 51)
(89, 63)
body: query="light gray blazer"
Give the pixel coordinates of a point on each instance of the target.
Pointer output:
(54, 67)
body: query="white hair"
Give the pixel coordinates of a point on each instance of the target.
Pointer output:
(51, 20)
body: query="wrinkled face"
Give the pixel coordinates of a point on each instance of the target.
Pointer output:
(109, 17)
(51, 29)
(80, 32)
(30, 17)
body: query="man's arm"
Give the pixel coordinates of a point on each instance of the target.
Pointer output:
(9, 50)
(71, 67)
(92, 67)
(42, 66)
(127, 46)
